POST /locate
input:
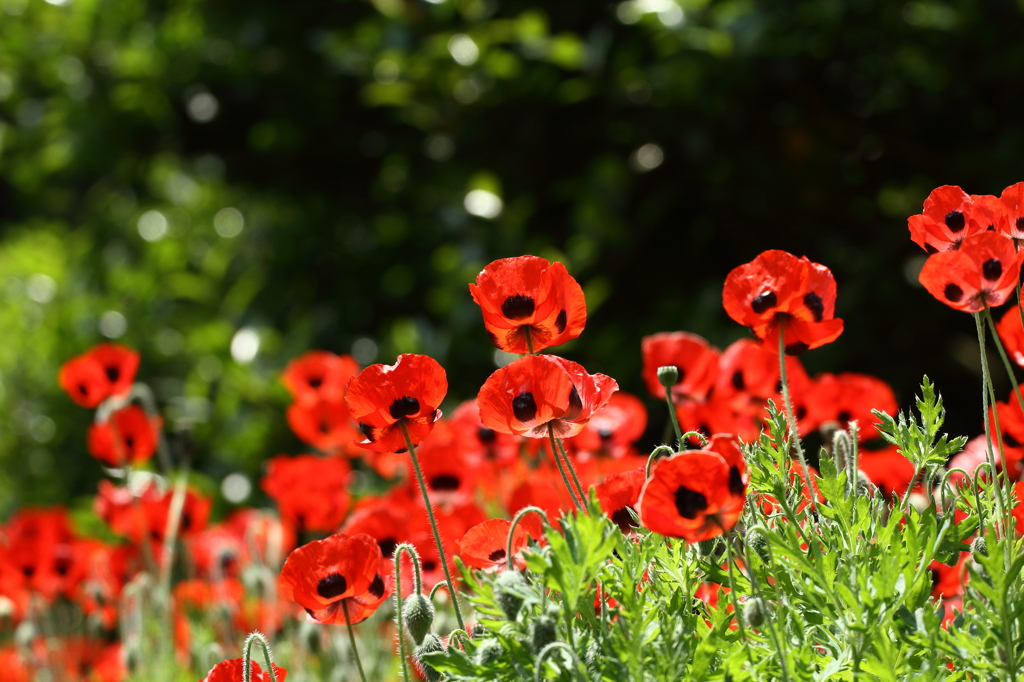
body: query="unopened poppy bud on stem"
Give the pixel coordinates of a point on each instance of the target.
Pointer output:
(979, 546)
(668, 375)
(419, 616)
(431, 643)
(504, 587)
(754, 612)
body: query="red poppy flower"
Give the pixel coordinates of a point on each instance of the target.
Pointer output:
(525, 297)
(231, 671)
(891, 472)
(946, 220)
(1011, 333)
(1012, 199)
(692, 495)
(525, 396)
(691, 355)
(613, 429)
(983, 272)
(778, 286)
(485, 545)
(478, 442)
(40, 545)
(130, 436)
(618, 494)
(324, 424)
(319, 375)
(449, 475)
(310, 491)
(382, 395)
(342, 570)
(147, 518)
(848, 396)
(105, 370)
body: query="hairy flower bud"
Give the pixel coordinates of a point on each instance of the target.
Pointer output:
(504, 590)
(754, 612)
(543, 632)
(418, 612)
(757, 540)
(979, 546)
(431, 643)
(489, 651)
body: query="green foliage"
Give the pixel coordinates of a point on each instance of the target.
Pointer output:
(918, 439)
(841, 594)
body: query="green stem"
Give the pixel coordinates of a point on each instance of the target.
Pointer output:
(561, 469)
(529, 339)
(247, 657)
(570, 467)
(986, 383)
(418, 584)
(1005, 358)
(755, 584)
(433, 521)
(674, 417)
(352, 639)
(512, 529)
(550, 648)
(659, 452)
(794, 432)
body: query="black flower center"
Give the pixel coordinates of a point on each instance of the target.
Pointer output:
(517, 306)
(387, 547)
(524, 407)
(955, 221)
(315, 382)
(689, 502)
(113, 374)
(331, 586)
(992, 269)
(486, 435)
(845, 416)
(764, 301)
(404, 407)
(737, 380)
(621, 517)
(953, 293)
(445, 482)
(496, 555)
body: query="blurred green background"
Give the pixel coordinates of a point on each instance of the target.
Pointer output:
(226, 184)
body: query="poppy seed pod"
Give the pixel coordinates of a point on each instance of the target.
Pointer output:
(504, 590)
(668, 375)
(431, 643)
(543, 633)
(489, 651)
(419, 616)
(754, 612)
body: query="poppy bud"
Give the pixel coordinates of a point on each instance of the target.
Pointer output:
(543, 632)
(431, 643)
(489, 651)
(758, 541)
(668, 375)
(477, 631)
(979, 546)
(419, 616)
(754, 612)
(504, 589)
